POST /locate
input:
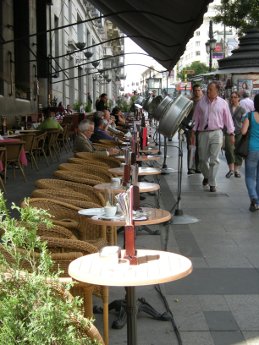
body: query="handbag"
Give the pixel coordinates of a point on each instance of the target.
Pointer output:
(242, 146)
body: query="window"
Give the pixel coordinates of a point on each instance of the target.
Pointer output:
(197, 53)
(198, 33)
(197, 44)
(21, 51)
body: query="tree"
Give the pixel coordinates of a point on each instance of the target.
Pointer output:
(241, 14)
(195, 68)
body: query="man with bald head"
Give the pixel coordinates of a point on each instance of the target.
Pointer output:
(210, 116)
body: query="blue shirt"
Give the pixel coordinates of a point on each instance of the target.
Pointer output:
(254, 133)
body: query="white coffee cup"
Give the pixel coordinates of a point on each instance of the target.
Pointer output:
(115, 181)
(110, 211)
(110, 255)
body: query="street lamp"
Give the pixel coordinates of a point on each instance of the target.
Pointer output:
(210, 45)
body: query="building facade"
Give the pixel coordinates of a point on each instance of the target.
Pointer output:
(56, 51)
(226, 41)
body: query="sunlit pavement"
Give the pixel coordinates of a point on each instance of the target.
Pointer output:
(218, 304)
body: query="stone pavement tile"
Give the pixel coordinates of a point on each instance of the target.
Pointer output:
(228, 259)
(220, 320)
(196, 338)
(187, 243)
(232, 281)
(228, 338)
(252, 338)
(245, 310)
(213, 302)
(187, 313)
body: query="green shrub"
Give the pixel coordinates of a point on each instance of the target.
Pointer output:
(34, 307)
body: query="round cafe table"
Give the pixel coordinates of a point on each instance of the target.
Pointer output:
(143, 158)
(154, 216)
(163, 268)
(144, 187)
(143, 171)
(149, 150)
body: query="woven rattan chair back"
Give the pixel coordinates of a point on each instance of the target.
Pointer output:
(87, 169)
(88, 179)
(70, 196)
(63, 211)
(88, 191)
(110, 161)
(88, 162)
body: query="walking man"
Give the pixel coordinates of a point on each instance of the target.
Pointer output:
(210, 116)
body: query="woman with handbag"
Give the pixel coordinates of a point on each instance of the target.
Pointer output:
(252, 160)
(234, 160)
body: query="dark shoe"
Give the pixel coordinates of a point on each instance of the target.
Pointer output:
(212, 189)
(197, 172)
(190, 172)
(230, 173)
(205, 181)
(253, 206)
(237, 174)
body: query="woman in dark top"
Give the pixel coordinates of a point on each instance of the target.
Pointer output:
(234, 161)
(252, 160)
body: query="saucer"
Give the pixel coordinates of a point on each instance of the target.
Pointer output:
(91, 211)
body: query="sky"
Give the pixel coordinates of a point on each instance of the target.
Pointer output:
(133, 73)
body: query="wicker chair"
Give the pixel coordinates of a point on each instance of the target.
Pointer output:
(88, 191)
(67, 213)
(74, 198)
(88, 169)
(52, 143)
(28, 139)
(13, 153)
(88, 162)
(87, 179)
(64, 139)
(38, 147)
(55, 231)
(110, 161)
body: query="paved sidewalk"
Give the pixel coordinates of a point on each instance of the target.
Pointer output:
(218, 304)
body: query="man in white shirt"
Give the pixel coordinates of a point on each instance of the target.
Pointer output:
(247, 103)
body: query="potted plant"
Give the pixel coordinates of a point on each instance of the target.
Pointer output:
(35, 308)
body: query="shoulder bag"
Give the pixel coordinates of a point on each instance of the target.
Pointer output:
(242, 146)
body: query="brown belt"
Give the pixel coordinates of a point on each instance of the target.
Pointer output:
(210, 130)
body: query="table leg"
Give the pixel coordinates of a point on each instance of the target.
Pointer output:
(131, 316)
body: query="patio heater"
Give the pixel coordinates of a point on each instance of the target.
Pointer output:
(169, 124)
(158, 114)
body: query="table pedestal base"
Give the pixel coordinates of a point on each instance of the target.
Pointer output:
(142, 306)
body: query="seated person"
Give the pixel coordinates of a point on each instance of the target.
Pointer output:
(69, 109)
(82, 141)
(119, 117)
(49, 122)
(100, 130)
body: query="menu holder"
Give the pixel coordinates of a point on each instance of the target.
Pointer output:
(126, 175)
(144, 137)
(136, 194)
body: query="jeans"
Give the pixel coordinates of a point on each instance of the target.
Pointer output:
(252, 175)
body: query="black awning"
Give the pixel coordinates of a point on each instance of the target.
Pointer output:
(162, 28)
